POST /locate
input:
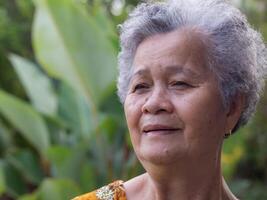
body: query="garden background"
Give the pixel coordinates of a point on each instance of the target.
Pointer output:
(62, 129)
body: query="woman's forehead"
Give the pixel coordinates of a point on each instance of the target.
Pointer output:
(177, 51)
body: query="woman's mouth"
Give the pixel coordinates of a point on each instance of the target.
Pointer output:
(160, 129)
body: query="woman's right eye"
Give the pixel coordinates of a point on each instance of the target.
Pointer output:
(139, 87)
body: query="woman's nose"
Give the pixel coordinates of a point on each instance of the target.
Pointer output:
(159, 101)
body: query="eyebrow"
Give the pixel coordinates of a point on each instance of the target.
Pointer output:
(170, 70)
(181, 70)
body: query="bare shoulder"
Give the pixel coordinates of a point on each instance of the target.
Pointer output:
(134, 186)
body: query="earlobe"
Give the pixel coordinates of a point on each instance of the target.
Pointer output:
(234, 112)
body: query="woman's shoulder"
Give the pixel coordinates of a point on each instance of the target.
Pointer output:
(112, 191)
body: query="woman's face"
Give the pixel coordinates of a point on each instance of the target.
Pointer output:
(173, 107)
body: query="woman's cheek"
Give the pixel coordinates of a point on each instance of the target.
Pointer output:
(133, 111)
(202, 112)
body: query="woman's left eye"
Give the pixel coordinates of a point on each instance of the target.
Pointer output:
(180, 84)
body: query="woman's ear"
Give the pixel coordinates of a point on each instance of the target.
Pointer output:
(234, 112)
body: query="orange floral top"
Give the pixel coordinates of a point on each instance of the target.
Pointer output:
(113, 191)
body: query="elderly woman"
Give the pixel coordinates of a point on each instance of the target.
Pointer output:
(191, 73)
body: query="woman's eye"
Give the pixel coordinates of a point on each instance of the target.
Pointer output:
(138, 87)
(180, 84)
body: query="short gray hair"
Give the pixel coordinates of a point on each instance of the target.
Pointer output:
(238, 54)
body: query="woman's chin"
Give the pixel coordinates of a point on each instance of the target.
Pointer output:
(160, 156)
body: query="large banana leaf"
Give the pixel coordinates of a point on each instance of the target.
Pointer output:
(71, 46)
(75, 112)
(37, 85)
(29, 122)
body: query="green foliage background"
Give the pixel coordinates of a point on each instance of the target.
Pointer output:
(62, 129)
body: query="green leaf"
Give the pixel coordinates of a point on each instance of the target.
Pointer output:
(58, 129)
(74, 49)
(75, 111)
(2, 179)
(15, 185)
(32, 196)
(88, 173)
(30, 124)
(66, 162)
(27, 164)
(58, 189)
(100, 16)
(58, 156)
(26, 8)
(37, 85)
(6, 140)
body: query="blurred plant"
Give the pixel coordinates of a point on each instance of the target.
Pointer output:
(70, 137)
(15, 26)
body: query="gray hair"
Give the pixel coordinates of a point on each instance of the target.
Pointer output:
(237, 56)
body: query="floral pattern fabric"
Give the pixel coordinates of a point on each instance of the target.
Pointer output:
(113, 191)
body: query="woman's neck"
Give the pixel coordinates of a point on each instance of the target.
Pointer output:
(186, 181)
(194, 177)
(194, 182)
(184, 189)
(191, 179)
(143, 187)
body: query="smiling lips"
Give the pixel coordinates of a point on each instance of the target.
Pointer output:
(159, 129)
